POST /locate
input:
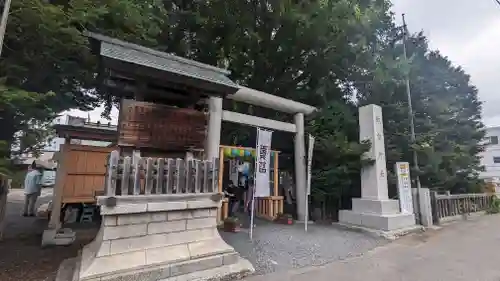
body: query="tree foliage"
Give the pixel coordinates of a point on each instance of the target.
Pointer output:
(447, 115)
(46, 63)
(332, 54)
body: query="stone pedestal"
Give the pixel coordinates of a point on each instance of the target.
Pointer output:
(157, 237)
(380, 215)
(374, 210)
(58, 237)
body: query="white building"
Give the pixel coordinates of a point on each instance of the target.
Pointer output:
(55, 143)
(491, 156)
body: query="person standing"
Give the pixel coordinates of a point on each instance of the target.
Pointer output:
(32, 189)
(231, 197)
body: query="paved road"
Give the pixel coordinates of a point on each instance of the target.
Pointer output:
(15, 223)
(460, 251)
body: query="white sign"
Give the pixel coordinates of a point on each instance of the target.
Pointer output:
(404, 187)
(263, 157)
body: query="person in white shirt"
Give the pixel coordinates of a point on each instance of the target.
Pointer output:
(32, 189)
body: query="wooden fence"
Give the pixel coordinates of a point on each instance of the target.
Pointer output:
(82, 172)
(448, 207)
(269, 207)
(136, 175)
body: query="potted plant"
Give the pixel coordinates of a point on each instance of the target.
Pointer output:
(284, 219)
(231, 224)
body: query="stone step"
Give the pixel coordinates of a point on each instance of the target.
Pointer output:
(225, 265)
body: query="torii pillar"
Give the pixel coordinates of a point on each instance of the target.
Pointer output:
(214, 128)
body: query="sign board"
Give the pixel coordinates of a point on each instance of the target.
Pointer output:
(404, 187)
(162, 127)
(262, 165)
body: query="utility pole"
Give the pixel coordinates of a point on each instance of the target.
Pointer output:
(3, 22)
(412, 123)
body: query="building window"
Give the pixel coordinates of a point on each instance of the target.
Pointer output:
(496, 159)
(493, 140)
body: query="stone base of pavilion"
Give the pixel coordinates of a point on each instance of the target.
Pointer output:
(58, 237)
(157, 237)
(381, 217)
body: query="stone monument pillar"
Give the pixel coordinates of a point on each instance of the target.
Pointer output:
(374, 210)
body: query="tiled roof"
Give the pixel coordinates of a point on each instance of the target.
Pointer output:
(132, 53)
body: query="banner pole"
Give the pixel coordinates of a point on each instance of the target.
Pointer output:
(253, 213)
(309, 173)
(306, 215)
(252, 209)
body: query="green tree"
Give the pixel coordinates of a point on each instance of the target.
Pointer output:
(31, 116)
(46, 62)
(321, 53)
(446, 108)
(302, 50)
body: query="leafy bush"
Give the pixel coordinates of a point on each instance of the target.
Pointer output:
(494, 205)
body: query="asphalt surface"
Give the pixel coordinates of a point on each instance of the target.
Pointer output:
(17, 225)
(462, 251)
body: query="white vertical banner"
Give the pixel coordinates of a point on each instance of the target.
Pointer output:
(404, 187)
(309, 173)
(261, 178)
(262, 163)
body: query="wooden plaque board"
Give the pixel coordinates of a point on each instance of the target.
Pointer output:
(162, 127)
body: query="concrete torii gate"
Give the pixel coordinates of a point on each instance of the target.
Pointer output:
(258, 98)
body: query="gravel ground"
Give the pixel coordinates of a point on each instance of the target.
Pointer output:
(22, 258)
(279, 248)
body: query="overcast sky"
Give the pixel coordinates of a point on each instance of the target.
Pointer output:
(467, 31)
